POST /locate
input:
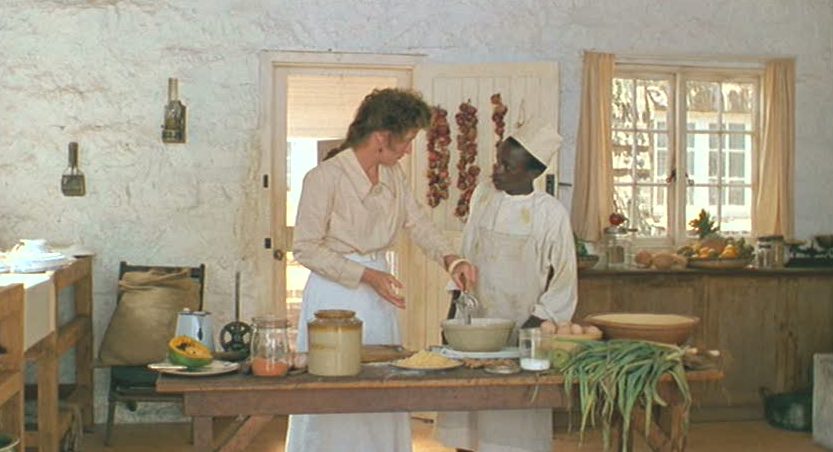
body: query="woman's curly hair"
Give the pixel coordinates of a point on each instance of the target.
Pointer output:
(394, 110)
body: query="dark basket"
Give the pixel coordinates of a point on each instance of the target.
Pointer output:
(789, 411)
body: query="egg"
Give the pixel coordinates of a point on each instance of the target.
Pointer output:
(592, 329)
(549, 327)
(565, 328)
(576, 329)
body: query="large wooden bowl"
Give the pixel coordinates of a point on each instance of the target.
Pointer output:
(719, 264)
(667, 328)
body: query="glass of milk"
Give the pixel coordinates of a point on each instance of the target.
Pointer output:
(532, 343)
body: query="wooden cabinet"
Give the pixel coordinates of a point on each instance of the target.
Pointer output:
(767, 323)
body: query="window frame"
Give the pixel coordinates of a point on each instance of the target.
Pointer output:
(677, 157)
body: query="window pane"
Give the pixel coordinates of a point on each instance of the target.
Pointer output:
(623, 104)
(690, 136)
(738, 98)
(651, 102)
(736, 218)
(645, 165)
(714, 139)
(714, 197)
(737, 161)
(301, 156)
(650, 215)
(714, 164)
(702, 96)
(736, 141)
(735, 196)
(622, 157)
(661, 165)
(622, 196)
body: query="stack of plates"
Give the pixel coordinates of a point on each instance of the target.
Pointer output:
(20, 262)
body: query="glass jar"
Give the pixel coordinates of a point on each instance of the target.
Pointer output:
(334, 341)
(763, 255)
(532, 344)
(617, 246)
(270, 346)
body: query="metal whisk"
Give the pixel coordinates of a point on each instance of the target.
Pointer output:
(466, 304)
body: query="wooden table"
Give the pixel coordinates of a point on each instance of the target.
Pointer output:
(76, 333)
(383, 388)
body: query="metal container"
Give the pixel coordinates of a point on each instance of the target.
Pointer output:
(196, 324)
(334, 343)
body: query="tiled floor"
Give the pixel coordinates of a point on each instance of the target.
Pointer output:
(747, 436)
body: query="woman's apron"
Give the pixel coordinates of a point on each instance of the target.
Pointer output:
(371, 432)
(508, 287)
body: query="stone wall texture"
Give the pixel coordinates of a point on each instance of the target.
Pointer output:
(95, 71)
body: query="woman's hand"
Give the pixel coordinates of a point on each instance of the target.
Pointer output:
(385, 285)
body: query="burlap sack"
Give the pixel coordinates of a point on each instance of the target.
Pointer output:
(145, 318)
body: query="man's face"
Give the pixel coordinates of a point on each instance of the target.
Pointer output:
(509, 172)
(394, 148)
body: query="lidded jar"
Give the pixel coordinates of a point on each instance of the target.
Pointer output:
(270, 346)
(617, 246)
(334, 343)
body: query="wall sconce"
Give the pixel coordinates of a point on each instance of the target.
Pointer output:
(173, 129)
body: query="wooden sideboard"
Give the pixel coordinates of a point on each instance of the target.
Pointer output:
(767, 323)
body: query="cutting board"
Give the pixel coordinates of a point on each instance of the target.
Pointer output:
(381, 353)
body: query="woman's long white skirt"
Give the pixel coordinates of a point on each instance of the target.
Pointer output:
(371, 432)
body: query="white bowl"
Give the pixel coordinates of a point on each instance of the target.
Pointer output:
(483, 335)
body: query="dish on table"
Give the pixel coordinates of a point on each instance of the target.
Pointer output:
(426, 360)
(216, 367)
(505, 352)
(719, 264)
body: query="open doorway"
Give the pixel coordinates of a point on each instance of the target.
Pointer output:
(313, 105)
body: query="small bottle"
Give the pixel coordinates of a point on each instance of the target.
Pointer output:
(270, 347)
(72, 180)
(173, 130)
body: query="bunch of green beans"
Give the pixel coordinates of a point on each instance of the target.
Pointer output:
(614, 376)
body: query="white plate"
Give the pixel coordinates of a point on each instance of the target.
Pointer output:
(217, 367)
(505, 353)
(453, 365)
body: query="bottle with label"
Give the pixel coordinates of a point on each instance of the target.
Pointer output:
(72, 180)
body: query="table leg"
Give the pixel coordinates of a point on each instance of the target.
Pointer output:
(203, 433)
(84, 350)
(47, 368)
(245, 433)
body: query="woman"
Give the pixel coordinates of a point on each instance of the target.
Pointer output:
(352, 207)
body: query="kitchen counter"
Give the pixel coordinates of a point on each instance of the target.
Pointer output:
(768, 323)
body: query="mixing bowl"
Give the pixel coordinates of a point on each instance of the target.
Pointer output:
(483, 335)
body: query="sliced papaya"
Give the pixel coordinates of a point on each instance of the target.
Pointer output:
(187, 351)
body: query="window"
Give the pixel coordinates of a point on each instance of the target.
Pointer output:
(660, 184)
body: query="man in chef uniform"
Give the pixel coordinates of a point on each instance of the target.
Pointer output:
(521, 242)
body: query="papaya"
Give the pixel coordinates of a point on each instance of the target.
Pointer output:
(187, 351)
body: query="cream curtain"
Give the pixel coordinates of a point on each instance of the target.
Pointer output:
(773, 210)
(593, 191)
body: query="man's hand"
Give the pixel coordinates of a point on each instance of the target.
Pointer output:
(465, 276)
(386, 285)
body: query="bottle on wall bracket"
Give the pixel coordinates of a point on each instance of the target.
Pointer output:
(72, 180)
(173, 129)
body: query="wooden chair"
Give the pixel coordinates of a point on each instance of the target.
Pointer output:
(134, 384)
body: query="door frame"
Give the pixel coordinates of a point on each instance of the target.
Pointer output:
(273, 137)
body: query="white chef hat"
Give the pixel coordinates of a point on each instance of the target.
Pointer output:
(539, 139)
